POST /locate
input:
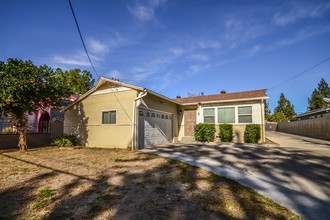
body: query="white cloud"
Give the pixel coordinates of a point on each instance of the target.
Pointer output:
(302, 35)
(114, 74)
(76, 60)
(193, 69)
(208, 45)
(177, 51)
(299, 10)
(198, 57)
(145, 10)
(96, 46)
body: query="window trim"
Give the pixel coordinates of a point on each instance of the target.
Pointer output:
(110, 110)
(214, 115)
(238, 122)
(216, 120)
(223, 107)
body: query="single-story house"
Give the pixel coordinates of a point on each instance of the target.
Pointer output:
(122, 115)
(317, 113)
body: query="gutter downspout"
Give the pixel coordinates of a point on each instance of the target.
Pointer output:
(263, 120)
(141, 95)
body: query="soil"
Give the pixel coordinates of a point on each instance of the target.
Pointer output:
(120, 184)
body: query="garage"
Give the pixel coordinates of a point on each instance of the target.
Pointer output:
(154, 128)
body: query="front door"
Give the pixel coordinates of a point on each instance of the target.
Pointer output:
(189, 122)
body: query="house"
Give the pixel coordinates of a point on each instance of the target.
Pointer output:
(39, 121)
(118, 114)
(317, 113)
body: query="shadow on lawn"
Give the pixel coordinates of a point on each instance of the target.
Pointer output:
(122, 191)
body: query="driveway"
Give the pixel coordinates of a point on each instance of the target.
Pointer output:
(296, 177)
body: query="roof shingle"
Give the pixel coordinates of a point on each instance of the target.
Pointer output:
(223, 97)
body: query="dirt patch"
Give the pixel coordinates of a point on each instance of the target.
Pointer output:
(49, 183)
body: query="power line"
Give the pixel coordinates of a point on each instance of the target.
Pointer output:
(295, 76)
(82, 39)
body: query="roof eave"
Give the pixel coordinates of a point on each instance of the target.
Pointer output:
(99, 83)
(223, 101)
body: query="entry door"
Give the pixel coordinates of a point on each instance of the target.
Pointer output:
(155, 128)
(189, 122)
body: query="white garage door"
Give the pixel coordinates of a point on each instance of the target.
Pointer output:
(154, 128)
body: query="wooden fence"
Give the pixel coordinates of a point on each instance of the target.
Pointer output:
(316, 128)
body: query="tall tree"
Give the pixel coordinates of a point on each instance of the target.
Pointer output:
(316, 100)
(267, 110)
(284, 106)
(76, 80)
(26, 88)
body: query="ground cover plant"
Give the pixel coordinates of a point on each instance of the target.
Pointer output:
(48, 183)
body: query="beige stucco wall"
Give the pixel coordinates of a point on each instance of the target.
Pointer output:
(157, 103)
(85, 118)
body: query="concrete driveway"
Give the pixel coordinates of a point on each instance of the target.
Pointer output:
(296, 177)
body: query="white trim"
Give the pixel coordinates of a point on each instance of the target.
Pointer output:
(224, 101)
(110, 90)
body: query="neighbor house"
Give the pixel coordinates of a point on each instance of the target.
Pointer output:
(317, 113)
(122, 115)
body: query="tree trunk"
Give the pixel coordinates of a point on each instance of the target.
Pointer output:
(22, 135)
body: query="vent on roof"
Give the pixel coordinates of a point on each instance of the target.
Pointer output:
(178, 97)
(223, 91)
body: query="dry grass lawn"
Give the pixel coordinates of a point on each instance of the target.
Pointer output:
(49, 183)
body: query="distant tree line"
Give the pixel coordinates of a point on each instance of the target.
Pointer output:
(284, 110)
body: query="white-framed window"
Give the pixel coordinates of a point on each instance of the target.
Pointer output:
(109, 117)
(226, 115)
(244, 114)
(209, 115)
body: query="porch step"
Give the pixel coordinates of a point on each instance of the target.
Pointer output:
(187, 139)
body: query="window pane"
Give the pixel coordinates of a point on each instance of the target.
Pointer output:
(109, 117)
(105, 117)
(226, 115)
(246, 110)
(208, 114)
(245, 119)
(209, 119)
(208, 111)
(113, 117)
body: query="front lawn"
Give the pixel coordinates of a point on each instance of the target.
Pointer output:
(121, 184)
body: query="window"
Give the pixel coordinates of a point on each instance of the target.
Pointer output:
(245, 114)
(226, 115)
(109, 117)
(209, 115)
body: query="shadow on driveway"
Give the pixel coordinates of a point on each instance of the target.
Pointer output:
(296, 178)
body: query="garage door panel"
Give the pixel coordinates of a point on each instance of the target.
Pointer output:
(154, 130)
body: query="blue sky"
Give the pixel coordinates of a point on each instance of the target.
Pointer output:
(178, 47)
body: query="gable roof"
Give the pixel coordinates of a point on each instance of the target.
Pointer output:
(226, 97)
(114, 83)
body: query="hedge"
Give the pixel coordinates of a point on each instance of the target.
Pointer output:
(226, 132)
(204, 132)
(252, 133)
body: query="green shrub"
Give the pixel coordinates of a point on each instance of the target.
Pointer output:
(204, 132)
(226, 132)
(65, 141)
(252, 133)
(7, 130)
